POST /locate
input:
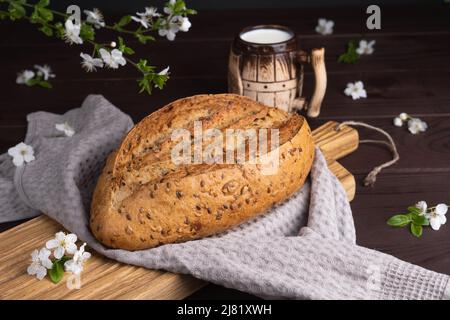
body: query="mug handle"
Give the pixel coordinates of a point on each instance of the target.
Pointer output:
(317, 60)
(234, 74)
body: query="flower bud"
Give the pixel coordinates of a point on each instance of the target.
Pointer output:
(398, 122)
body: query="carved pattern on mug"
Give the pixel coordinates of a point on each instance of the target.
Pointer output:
(270, 87)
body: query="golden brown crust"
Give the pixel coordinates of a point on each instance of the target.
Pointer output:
(143, 200)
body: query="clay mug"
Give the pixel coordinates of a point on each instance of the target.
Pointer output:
(266, 65)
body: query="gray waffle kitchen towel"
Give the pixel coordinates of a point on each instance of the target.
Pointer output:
(303, 248)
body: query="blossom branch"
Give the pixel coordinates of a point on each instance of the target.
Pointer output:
(168, 24)
(421, 215)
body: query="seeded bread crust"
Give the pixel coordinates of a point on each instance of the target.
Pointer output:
(143, 200)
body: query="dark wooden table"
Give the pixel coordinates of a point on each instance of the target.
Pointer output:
(409, 72)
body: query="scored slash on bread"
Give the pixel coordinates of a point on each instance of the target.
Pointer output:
(143, 199)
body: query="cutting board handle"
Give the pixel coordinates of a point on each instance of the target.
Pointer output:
(336, 144)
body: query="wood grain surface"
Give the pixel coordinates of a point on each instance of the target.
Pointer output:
(102, 278)
(408, 72)
(107, 279)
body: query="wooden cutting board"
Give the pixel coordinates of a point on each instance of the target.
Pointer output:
(107, 279)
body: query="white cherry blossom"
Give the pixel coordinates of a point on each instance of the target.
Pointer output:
(143, 20)
(365, 47)
(150, 12)
(324, 26)
(72, 32)
(415, 125)
(44, 71)
(183, 23)
(437, 216)
(95, 17)
(75, 265)
(24, 76)
(356, 90)
(404, 116)
(62, 243)
(164, 71)
(21, 153)
(422, 206)
(89, 63)
(169, 32)
(40, 262)
(112, 59)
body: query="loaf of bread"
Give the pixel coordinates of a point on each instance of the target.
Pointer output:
(143, 199)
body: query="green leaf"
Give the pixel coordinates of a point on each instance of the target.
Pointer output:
(87, 32)
(46, 30)
(144, 84)
(142, 64)
(41, 15)
(38, 81)
(420, 220)
(121, 43)
(33, 81)
(416, 230)
(16, 10)
(43, 3)
(97, 47)
(414, 210)
(60, 30)
(127, 50)
(56, 273)
(35, 17)
(124, 21)
(45, 84)
(177, 7)
(350, 56)
(124, 48)
(144, 38)
(3, 15)
(143, 67)
(190, 11)
(160, 80)
(399, 220)
(159, 23)
(64, 259)
(46, 14)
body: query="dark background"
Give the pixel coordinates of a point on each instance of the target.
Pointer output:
(130, 6)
